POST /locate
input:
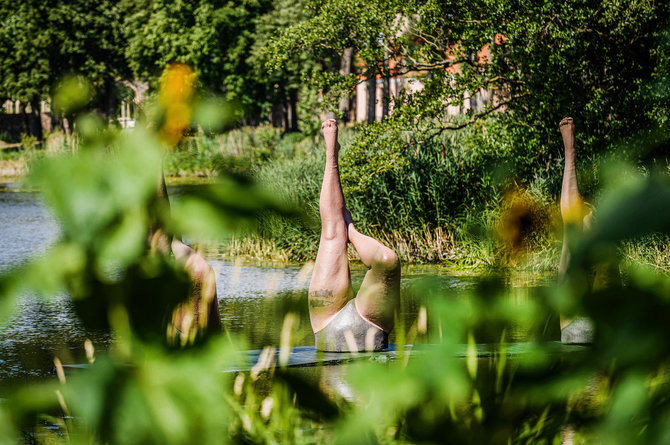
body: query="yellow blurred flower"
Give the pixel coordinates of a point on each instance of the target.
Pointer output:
(574, 211)
(521, 222)
(177, 86)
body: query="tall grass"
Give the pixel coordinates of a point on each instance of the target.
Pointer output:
(467, 198)
(239, 151)
(438, 202)
(651, 251)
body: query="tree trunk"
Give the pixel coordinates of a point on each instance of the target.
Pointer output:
(277, 114)
(108, 105)
(285, 115)
(386, 86)
(293, 112)
(26, 119)
(386, 97)
(372, 93)
(35, 121)
(346, 63)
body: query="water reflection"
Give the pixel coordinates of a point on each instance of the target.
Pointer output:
(252, 300)
(333, 379)
(26, 228)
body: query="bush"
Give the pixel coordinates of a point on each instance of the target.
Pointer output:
(432, 200)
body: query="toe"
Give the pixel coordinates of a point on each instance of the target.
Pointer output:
(565, 121)
(329, 125)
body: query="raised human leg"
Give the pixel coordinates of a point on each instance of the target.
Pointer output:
(201, 311)
(573, 213)
(330, 288)
(379, 295)
(572, 207)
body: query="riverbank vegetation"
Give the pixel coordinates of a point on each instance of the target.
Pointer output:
(437, 186)
(152, 388)
(457, 200)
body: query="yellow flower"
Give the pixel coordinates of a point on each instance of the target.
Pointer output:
(177, 86)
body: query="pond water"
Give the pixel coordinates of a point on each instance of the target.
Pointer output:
(252, 298)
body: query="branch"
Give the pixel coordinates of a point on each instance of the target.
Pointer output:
(478, 22)
(428, 40)
(422, 66)
(475, 118)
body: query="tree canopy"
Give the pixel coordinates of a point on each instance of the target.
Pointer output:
(603, 62)
(213, 36)
(42, 41)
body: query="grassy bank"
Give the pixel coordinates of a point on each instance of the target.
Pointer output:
(468, 199)
(440, 202)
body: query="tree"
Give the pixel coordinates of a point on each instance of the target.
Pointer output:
(42, 41)
(225, 42)
(594, 60)
(281, 88)
(212, 36)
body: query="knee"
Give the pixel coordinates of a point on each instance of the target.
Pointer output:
(387, 261)
(334, 231)
(199, 269)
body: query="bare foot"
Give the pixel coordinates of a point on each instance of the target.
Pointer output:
(567, 127)
(329, 129)
(566, 121)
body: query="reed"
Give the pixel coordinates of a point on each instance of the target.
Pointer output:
(651, 251)
(439, 203)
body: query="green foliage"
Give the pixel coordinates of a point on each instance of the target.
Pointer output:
(72, 95)
(281, 86)
(40, 42)
(451, 390)
(298, 182)
(210, 36)
(117, 40)
(223, 42)
(161, 399)
(236, 151)
(604, 63)
(649, 251)
(429, 184)
(557, 58)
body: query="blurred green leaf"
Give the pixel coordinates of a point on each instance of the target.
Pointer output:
(308, 395)
(212, 211)
(159, 399)
(72, 94)
(213, 115)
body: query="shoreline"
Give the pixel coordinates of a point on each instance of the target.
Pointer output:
(264, 252)
(14, 182)
(471, 257)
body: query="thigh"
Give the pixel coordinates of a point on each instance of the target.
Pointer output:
(330, 288)
(379, 296)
